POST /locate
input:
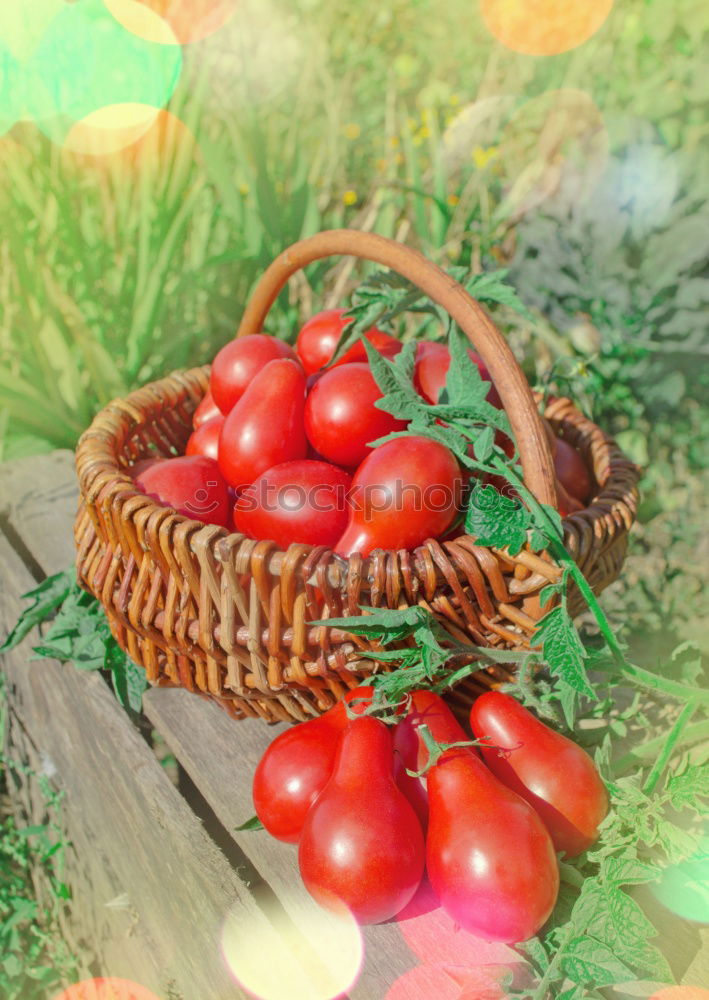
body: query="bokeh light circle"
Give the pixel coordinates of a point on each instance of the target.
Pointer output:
(110, 129)
(108, 988)
(554, 146)
(684, 887)
(544, 27)
(87, 61)
(319, 959)
(186, 20)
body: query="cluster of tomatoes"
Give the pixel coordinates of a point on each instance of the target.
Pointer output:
(485, 824)
(281, 448)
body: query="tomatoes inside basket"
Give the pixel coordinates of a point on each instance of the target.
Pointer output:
(327, 445)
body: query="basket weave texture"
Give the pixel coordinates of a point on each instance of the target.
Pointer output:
(227, 616)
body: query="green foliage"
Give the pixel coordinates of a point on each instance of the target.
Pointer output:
(34, 961)
(79, 634)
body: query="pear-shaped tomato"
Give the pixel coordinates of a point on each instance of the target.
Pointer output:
(571, 471)
(431, 368)
(341, 419)
(550, 771)
(192, 484)
(426, 708)
(362, 844)
(294, 769)
(206, 410)
(320, 336)
(489, 857)
(238, 363)
(265, 427)
(405, 491)
(204, 440)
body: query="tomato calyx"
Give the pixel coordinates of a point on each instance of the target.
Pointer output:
(436, 750)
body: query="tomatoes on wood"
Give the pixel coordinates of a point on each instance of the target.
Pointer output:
(489, 857)
(265, 427)
(431, 368)
(237, 364)
(572, 472)
(320, 336)
(405, 491)
(204, 440)
(340, 416)
(296, 766)
(193, 485)
(303, 501)
(362, 844)
(410, 752)
(205, 411)
(551, 772)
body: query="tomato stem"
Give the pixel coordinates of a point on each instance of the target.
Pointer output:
(659, 766)
(694, 733)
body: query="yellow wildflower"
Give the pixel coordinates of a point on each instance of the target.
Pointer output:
(352, 130)
(244, 189)
(453, 200)
(481, 157)
(349, 197)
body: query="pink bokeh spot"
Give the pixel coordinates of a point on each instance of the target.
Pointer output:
(445, 982)
(435, 938)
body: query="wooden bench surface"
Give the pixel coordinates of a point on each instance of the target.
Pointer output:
(160, 877)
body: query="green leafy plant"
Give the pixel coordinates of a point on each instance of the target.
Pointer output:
(78, 634)
(34, 960)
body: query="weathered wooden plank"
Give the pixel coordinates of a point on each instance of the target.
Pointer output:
(221, 756)
(38, 500)
(151, 891)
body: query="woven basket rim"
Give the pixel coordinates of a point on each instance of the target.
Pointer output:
(101, 472)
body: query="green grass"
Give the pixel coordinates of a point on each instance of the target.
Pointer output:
(35, 962)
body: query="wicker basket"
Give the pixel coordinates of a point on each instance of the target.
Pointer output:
(227, 616)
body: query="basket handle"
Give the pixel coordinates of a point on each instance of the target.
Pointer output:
(509, 380)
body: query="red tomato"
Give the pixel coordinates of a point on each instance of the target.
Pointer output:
(571, 471)
(341, 418)
(425, 709)
(141, 465)
(489, 857)
(301, 501)
(265, 427)
(193, 485)
(320, 336)
(205, 411)
(204, 440)
(406, 491)
(296, 766)
(432, 363)
(237, 364)
(566, 504)
(551, 772)
(362, 843)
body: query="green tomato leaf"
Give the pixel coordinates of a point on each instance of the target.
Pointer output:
(497, 521)
(588, 961)
(483, 445)
(629, 871)
(687, 788)
(45, 598)
(129, 680)
(492, 288)
(251, 824)
(563, 650)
